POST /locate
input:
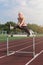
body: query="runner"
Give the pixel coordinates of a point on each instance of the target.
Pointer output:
(21, 23)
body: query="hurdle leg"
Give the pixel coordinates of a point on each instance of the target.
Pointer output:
(7, 48)
(34, 46)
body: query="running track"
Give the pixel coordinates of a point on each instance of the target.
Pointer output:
(22, 59)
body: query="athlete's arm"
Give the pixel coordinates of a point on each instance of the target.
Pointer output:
(22, 23)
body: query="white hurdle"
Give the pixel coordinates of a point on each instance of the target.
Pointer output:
(7, 47)
(33, 45)
(19, 51)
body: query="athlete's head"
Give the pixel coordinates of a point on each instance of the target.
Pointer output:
(21, 15)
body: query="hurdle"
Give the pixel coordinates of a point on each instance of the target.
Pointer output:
(19, 51)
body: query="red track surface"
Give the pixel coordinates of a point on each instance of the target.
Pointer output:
(21, 59)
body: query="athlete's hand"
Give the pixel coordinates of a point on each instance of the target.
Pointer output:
(20, 25)
(11, 27)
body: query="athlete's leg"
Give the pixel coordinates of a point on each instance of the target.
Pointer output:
(26, 29)
(23, 28)
(17, 27)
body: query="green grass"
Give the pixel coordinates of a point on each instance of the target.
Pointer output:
(16, 38)
(3, 38)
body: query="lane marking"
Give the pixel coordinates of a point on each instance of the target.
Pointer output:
(18, 45)
(2, 56)
(26, 47)
(15, 46)
(34, 57)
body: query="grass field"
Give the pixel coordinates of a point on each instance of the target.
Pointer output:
(4, 38)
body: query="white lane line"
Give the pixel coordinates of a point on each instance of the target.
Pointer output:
(19, 45)
(34, 58)
(2, 56)
(26, 47)
(15, 45)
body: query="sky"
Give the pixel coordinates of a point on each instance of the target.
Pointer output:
(32, 9)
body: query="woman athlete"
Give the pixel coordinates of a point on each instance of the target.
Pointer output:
(21, 23)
